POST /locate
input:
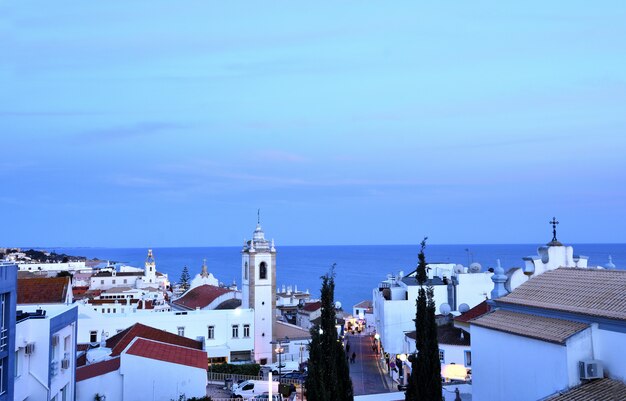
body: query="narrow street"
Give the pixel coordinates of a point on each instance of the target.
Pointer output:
(366, 374)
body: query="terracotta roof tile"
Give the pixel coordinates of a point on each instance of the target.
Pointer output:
(312, 306)
(597, 390)
(473, 313)
(201, 296)
(447, 334)
(97, 369)
(364, 304)
(120, 341)
(46, 290)
(533, 326)
(593, 292)
(168, 353)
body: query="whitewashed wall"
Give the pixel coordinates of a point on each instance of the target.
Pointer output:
(165, 382)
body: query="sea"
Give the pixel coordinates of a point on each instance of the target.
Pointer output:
(358, 269)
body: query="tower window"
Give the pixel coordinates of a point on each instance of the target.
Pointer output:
(263, 271)
(245, 271)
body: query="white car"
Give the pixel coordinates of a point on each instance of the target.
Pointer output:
(285, 367)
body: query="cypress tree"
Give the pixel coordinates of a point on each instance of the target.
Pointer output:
(425, 381)
(184, 279)
(329, 374)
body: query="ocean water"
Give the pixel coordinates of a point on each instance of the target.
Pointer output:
(358, 269)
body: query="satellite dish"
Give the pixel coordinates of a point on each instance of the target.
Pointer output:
(475, 268)
(337, 305)
(445, 309)
(458, 269)
(464, 308)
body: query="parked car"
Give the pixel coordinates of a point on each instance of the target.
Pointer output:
(295, 376)
(266, 397)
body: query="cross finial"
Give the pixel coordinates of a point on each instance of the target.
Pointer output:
(554, 222)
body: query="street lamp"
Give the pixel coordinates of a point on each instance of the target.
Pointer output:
(279, 350)
(402, 358)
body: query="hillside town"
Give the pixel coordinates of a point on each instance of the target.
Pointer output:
(77, 332)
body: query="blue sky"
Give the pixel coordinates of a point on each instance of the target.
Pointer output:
(169, 123)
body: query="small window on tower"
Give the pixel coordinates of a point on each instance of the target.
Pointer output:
(245, 271)
(263, 271)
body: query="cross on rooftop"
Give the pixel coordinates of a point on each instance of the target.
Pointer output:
(554, 222)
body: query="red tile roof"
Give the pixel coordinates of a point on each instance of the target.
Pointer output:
(48, 290)
(97, 369)
(201, 296)
(312, 306)
(168, 353)
(473, 313)
(120, 341)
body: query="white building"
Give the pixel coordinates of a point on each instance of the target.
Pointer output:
(309, 314)
(227, 334)
(45, 350)
(116, 369)
(129, 300)
(130, 277)
(551, 334)
(53, 267)
(258, 271)
(394, 299)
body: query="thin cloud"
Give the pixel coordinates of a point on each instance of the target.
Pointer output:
(142, 129)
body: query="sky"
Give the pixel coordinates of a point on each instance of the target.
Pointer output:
(159, 123)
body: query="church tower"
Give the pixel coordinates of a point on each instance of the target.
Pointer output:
(149, 273)
(258, 273)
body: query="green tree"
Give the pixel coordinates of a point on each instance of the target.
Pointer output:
(425, 381)
(184, 279)
(329, 374)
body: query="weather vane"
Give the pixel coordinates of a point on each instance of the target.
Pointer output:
(554, 223)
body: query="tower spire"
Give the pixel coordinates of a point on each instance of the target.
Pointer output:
(258, 216)
(554, 242)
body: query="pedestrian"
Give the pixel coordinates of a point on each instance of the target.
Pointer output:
(348, 347)
(353, 357)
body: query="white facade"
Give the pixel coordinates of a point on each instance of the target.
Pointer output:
(130, 277)
(53, 267)
(394, 301)
(519, 368)
(46, 354)
(109, 385)
(222, 325)
(258, 272)
(166, 381)
(548, 257)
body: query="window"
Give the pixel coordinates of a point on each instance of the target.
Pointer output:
(245, 271)
(246, 330)
(125, 281)
(441, 356)
(468, 358)
(181, 331)
(3, 385)
(211, 333)
(235, 331)
(67, 343)
(113, 281)
(18, 366)
(101, 281)
(263, 271)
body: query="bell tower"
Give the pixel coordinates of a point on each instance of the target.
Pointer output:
(258, 273)
(149, 273)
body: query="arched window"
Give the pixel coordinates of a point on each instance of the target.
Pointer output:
(245, 271)
(263, 270)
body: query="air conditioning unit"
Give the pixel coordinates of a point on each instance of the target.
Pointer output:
(65, 363)
(30, 348)
(55, 341)
(590, 369)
